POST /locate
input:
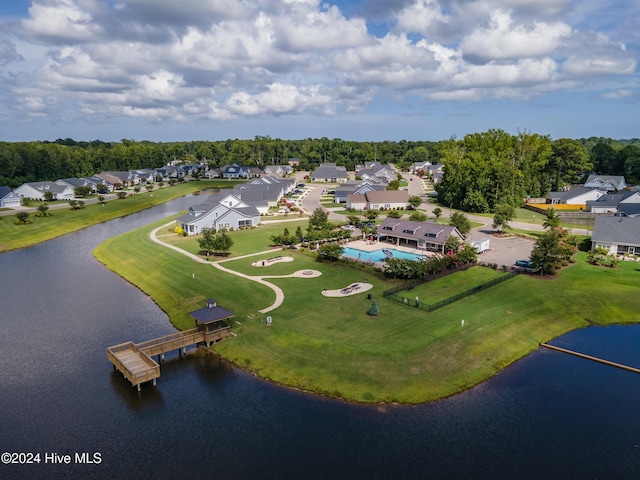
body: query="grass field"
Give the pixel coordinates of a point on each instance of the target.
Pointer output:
(331, 346)
(450, 285)
(64, 220)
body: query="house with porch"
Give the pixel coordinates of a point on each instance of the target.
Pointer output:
(619, 235)
(420, 235)
(228, 212)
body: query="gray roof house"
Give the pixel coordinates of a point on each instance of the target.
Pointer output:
(610, 183)
(421, 235)
(8, 198)
(356, 186)
(228, 212)
(36, 190)
(330, 173)
(609, 203)
(619, 235)
(575, 196)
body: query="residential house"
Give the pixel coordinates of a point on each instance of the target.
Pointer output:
(8, 198)
(609, 202)
(36, 191)
(575, 196)
(114, 178)
(375, 170)
(280, 170)
(356, 186)
(387, 199)
(234, 171)
(294, 163)
(356, 201)
(378, 200)
(143, 176)
(420, 235)
(419, 168)
(78, 182)
(610, 183)
(226, 212)
(436, 172)
(619, 235)
(330, 173)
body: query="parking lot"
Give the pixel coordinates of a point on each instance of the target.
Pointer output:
(505, 251)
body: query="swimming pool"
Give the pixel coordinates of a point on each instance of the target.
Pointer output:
(378, 255)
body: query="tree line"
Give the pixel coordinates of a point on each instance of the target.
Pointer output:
(481, 170)
(485, 170)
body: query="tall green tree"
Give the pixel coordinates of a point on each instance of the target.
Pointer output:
(569, 163)
(551, 219)
(206, 240)
(222, 242)
(502, 215)
(318, 219)
(461, 222)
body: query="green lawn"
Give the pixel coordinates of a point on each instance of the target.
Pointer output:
(64, 220)
(450, 285)
(245, 242)
(331, 346)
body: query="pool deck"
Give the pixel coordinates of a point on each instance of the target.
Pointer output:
(370, 246)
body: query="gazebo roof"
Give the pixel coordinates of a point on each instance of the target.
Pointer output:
(211, 313)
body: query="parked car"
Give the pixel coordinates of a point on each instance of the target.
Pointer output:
(348, 227)
(524, 263)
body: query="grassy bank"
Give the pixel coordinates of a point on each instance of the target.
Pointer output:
(64, 220)
(331, 346)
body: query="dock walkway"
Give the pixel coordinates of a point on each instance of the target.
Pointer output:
(589, 357)
(135, 360)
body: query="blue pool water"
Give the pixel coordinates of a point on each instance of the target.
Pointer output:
(378, 255)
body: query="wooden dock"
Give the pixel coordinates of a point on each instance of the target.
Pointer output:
(135, 360)
(589, 357)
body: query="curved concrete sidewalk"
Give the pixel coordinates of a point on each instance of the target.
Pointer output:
(260, 279)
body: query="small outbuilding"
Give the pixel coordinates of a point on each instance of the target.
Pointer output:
(212, 317)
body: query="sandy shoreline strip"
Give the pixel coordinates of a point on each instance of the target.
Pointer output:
(352, 289)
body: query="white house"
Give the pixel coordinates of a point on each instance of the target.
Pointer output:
(226, 213)
(36, 190)
(575, 196)
(8, 198)
(610, 183)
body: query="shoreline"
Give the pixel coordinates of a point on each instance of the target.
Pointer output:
(501, 358)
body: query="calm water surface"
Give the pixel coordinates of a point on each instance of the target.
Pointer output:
(548, 416)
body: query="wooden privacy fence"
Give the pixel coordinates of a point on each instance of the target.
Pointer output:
(392, 293)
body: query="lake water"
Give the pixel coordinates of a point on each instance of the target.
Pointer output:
(549, 415)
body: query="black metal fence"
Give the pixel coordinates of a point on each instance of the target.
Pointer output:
(392, 293)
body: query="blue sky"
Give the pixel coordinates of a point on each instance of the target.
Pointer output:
(361, 70)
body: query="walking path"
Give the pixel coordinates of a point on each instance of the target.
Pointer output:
(255, 278)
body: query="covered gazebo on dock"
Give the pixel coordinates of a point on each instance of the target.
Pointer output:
(211, 317)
